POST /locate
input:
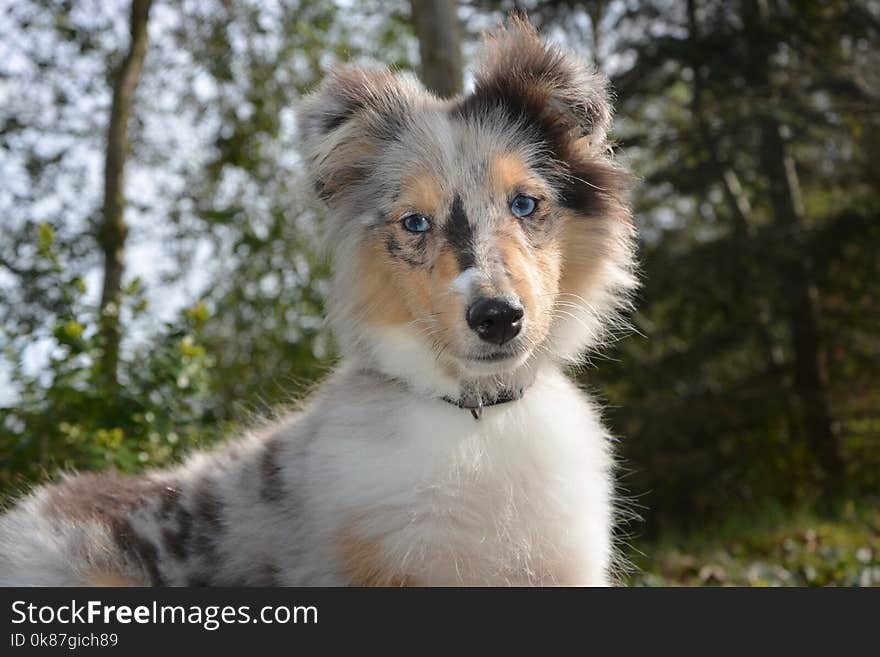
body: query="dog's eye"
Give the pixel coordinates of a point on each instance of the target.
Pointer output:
(523, 206)
(417, 223)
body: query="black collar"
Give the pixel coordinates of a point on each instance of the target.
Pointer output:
(470, 402)
(475, 406)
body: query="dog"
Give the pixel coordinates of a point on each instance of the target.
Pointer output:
(481, 245)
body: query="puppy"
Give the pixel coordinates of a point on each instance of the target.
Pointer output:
(480, 245)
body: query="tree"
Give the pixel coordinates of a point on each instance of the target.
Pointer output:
(437, 27)
(113, 230)
(747, 130)
(780, 172)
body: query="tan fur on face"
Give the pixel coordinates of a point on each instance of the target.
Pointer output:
(419, 192)
(534, 278)
(588, 245)
(390, 292)
(584, 255)
(507, 173)
(448, 306)
(380, 300)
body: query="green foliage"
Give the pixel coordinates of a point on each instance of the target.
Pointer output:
(61, 420)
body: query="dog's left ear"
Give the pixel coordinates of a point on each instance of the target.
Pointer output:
(543, 86)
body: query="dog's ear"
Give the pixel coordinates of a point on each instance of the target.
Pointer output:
(343, 123)
(558, 100)
(543, 85)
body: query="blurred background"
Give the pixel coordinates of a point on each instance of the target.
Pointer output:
(160, 285)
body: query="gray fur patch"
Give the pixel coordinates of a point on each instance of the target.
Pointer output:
(271, 479)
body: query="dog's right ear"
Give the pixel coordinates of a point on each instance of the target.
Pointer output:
(345, 121)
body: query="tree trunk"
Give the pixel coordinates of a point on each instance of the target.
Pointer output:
(113, 230)
(596, 11)
(778, 168)
(803, 317)
(436, 26)
(740, 211)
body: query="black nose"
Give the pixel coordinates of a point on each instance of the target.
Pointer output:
(495, 320)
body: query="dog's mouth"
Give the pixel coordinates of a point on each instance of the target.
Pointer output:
(494, 357)
(496, 361)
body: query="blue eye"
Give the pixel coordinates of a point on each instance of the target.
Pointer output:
(523, 206)
(417, 223)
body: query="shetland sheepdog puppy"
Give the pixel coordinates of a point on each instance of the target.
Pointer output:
(481, 245)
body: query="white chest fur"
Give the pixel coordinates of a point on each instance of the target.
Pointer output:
(423, 493)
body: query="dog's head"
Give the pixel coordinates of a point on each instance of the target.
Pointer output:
(475, 235)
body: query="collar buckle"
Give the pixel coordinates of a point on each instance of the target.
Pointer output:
(478, 411)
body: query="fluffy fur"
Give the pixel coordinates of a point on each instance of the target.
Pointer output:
(379, 480)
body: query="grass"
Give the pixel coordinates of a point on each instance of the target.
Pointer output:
(775, 549)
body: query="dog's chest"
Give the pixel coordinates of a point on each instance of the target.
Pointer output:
(518, 497)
